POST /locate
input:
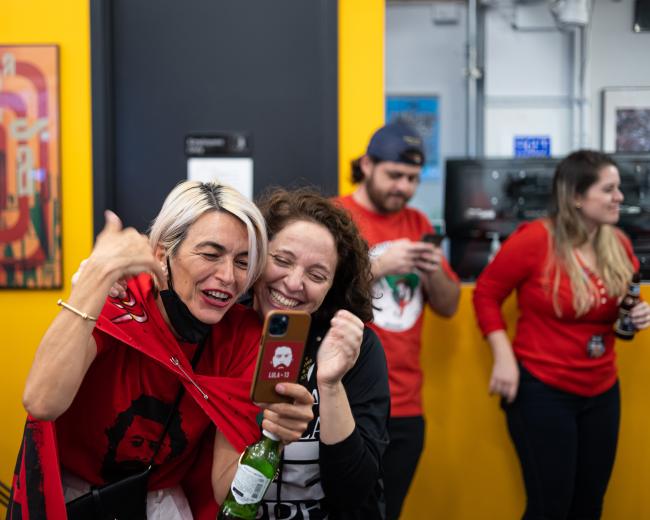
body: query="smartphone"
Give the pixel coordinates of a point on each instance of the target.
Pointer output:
(432, 238)
(280, 356)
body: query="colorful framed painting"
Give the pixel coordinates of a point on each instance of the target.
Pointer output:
(30, 177)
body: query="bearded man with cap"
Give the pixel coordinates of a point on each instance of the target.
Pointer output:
(407, 274)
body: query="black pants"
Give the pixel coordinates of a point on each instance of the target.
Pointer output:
(566, 445)
(400, 460)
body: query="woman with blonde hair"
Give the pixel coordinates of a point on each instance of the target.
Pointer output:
(145, 394)
(557, 378)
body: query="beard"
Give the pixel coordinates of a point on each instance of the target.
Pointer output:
(385, 202)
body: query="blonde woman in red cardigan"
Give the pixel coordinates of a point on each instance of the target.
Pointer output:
(557, 377)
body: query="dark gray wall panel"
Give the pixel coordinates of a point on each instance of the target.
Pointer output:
(163, 69)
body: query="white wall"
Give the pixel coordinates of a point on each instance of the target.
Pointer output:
(528, 78)
(425, 58)
(618, 57)
(528, 81)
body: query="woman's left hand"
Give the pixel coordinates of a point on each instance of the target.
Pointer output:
(288, 420)
(340, 348)
(640, 315)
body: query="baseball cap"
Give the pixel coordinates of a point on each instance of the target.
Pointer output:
(397, 142)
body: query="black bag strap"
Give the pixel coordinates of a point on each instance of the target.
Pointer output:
(177, 402)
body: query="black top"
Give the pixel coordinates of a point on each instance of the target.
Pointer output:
(343, 480)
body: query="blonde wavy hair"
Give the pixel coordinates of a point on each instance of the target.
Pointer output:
(573, 177)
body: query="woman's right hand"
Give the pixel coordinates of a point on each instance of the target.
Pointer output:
(289, 420)
(504, 380)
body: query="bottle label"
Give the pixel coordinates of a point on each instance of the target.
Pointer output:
(624, 326)
(249, 485)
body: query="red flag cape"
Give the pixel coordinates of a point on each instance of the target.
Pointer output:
(135, 321)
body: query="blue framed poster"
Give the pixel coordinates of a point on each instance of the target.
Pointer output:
(422, 113)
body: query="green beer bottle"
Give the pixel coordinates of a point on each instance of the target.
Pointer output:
(256, 470)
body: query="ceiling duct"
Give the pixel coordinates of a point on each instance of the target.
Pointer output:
(570, 12)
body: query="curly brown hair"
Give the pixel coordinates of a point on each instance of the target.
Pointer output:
(351, 288)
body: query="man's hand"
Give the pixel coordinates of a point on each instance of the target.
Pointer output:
(430, 257)
(404, 256)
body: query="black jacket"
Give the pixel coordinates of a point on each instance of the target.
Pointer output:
(343, 480)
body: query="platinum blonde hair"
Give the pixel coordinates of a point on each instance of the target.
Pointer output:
(189, 200)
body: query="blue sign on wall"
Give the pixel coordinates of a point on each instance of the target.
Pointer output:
(532, 146)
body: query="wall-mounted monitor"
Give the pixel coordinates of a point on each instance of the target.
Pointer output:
(486, 199)
(484, 196)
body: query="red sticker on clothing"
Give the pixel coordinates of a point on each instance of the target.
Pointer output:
(281, 361)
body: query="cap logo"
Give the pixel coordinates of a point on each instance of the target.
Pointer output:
(413, 141)
(412, 157)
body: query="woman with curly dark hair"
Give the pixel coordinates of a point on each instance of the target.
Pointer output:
(319, 263)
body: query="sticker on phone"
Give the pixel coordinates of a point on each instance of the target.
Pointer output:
(281, 361)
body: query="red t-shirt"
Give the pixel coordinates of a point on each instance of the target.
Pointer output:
(552, 348)
(399, 302)
(126, 396)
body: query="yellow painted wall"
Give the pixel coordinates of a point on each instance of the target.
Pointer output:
(24, 315)
(361, 80)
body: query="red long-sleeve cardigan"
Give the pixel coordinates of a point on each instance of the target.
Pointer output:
(552, 348)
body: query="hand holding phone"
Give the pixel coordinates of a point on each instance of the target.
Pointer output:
(432, 238)
(280, 355)
(430, 259)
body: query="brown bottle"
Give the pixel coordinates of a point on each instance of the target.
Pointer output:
(624, 328)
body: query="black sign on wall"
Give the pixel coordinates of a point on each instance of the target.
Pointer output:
(165, 72)
(226, 144)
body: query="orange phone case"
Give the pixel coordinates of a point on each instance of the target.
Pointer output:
(279, 359)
